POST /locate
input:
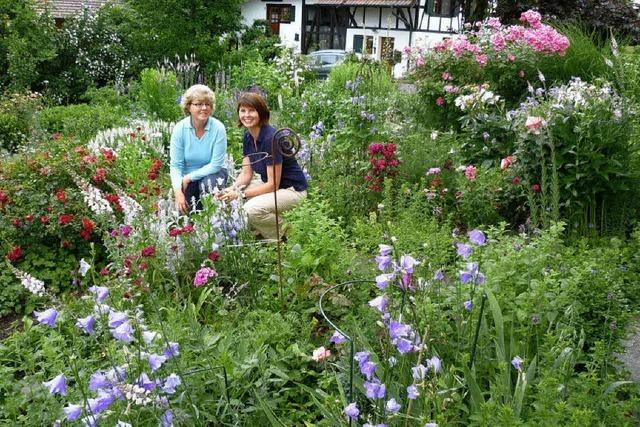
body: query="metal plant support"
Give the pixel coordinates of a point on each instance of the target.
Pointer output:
(341, 331)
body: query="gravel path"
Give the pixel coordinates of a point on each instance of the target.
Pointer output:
(631, 357)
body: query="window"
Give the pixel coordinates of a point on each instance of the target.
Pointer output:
(357, 43)
(443, 7)
(363, 44)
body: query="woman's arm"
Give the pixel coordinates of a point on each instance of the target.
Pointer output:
(273, 182)
(176, 168)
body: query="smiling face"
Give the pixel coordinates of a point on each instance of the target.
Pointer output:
(249, 117)
(200, 110)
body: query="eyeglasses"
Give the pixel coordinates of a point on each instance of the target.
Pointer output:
(201, 105)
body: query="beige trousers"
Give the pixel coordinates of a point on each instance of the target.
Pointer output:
(261, 210)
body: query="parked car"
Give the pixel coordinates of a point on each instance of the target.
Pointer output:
(322, 61)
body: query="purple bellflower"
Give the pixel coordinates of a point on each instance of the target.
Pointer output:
(47, 317)
(58, 385)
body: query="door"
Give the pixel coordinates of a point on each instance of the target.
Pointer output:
(273, 15)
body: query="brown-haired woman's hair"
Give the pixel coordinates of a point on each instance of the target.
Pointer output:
(257, 102)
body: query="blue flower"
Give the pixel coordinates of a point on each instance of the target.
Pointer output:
(384, 261)
(392, 406)
(72, 412)
(403, 345)
(352, 411)
(412, 392)
(464, 250)
(471, 274)
(477, 237)
(398, 330)
(439, 276)
(100, 403)
(407, 262)
(337, 338)
(517, 362)
(58, 385)
(382, 280)
(123, 333)
(86, 324)
(98, 380)
(101, 292)
(468, 305)
(47, 317)
(167, 418)
(375, 390)
(368, 368)
(361, 357)
(117, 318)
(419, 372)
(434, 363)
(385, 249)
(145, 382)
(379, 303)
(171, 383)
(155, 361)
(172, 350)
(149, 336)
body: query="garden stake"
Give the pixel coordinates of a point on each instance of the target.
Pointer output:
(475, 337)
(352, 346)
(288, 143)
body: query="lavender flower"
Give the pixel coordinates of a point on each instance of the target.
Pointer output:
(145, 382)
(412, 392)
(379, 303)
(398, 330)
(517, 362)
(384, 261)
(337, 338)
(117, 318)
(407, 262)
(58, 385)
(155, 361)
(123, 333)
(30, 283)
(385, 249)
(167, 419)
(464, 250)
(361, 357)
(439, 276)
(100, 403)
(382, 280)
(171, 383)
(47, 317)
(72, 412)
(471, 274)
(419, 372)
(368, 369)
(149, 336)
(352, 411)
(431, 425)
(375, 390)
(86, 324)
(98, 380)
(172, 350)
(403, 345)
(101, 292)
(477, 237)
(468, 305)
(90, 421)
(392, 406)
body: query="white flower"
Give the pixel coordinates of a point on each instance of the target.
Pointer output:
(29, 282)
(84, 267)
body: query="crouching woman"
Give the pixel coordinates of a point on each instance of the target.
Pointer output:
(287, 176)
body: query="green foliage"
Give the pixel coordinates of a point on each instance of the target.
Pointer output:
(82, 121)
(159, 93)
(18, 112)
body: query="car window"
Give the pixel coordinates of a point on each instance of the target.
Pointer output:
(329, 59)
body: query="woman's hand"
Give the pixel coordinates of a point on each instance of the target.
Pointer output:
(181, 202)
(228, 194)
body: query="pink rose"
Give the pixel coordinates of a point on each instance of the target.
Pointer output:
(320, 354)
(470, 172)
(506, 162)
(534, 124)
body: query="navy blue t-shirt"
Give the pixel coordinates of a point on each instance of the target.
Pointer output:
(292, 175)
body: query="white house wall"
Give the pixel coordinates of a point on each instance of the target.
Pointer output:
(253, 10)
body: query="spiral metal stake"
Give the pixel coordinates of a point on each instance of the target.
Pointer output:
(352, 345)
(477, 333)
(288, 143)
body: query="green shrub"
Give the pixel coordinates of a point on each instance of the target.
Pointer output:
(159, 94)
(81, 120)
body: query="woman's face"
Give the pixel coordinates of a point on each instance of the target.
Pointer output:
(248, 116)
(200, 109)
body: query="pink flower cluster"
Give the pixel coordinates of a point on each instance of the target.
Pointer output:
(202, 276)
(383, 162)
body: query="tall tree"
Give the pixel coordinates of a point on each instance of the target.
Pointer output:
(183, 27)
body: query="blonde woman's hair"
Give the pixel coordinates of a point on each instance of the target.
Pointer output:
(197, 93)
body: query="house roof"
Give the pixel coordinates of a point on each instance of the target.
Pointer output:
(390, 3)
(68, 8)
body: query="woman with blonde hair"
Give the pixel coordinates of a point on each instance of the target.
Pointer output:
(198, 149)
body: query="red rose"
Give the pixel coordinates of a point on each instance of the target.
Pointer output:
(28, 218)
(143, 266)
(153, 175)
(156, 164)
(187, 228)
(44, 220)
(535, 188)
(16, 222)
(108, 154)
(61, 196)
(14, 254)
(4, 198)
(214, 255)
(86, 235)
(149, 251)
(516, 180)
(158, 190)
(65, 219)
(87, 224)
(66, 244)
(143, 190)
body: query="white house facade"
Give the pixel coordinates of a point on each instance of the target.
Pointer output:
(369, 27)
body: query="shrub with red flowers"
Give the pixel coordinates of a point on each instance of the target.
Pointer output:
(383, 163)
